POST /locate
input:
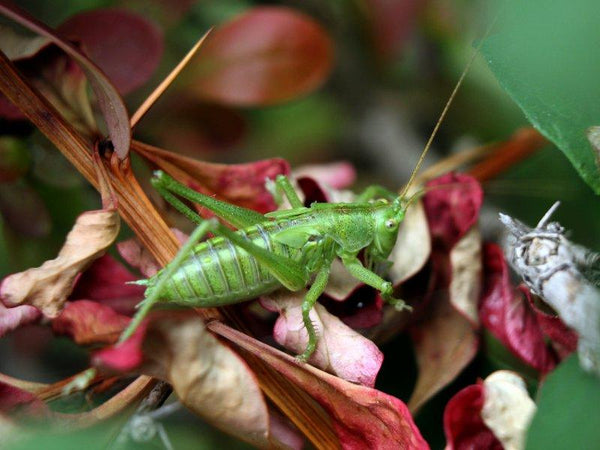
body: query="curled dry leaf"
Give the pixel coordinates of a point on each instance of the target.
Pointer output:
(207, 376)
(413, 246)
(13, 318)
(363, 418)
(340, 350)
(508, 316)
(126, 46)
(90, 322)
(48, 286)
(467, 267)
(265, 56)
(507, 408)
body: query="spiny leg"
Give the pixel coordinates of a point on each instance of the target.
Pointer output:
(375, 191)
(282, 184)
(310, 299)
(166, 274)
(236, 215)
(361, 273)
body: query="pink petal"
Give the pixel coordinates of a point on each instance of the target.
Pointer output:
(13, 318)
(508, 316)
(452, 205)
(340, 350)
(88, 322)
(463, 425)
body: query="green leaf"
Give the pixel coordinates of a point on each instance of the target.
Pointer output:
(567, 415)
(545, 57)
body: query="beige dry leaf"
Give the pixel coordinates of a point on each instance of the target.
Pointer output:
(467, 266)
(48, 286)
(207, 376)
(507, 408)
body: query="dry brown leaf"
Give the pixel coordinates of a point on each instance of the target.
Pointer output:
(48, 286)
(207, 376)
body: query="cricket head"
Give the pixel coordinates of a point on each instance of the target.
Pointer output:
(388, 218)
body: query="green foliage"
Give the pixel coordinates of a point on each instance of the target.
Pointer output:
(541, 56)
(567, 410)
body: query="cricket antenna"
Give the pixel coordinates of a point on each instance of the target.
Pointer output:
(445, 110)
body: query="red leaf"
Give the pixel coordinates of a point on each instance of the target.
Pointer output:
(105, 281)
(90, 322)
(508, 315)
(126, 46)
(463, 425)
(452, 205)
(265, 56)
(364, 418)
(123, 357)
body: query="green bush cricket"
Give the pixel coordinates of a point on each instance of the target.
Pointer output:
(292, 248)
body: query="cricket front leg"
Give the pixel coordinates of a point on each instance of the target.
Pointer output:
(310, 299)
(361, 273)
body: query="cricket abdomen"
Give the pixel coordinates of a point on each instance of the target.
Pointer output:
(219, 273)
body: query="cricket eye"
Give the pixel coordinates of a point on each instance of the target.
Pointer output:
(391, 224)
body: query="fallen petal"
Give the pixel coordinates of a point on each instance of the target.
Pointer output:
(13, 318)
(340, 350)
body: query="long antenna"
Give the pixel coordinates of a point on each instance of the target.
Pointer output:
(445, 110)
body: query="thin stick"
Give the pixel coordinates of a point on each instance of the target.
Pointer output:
(162, 87)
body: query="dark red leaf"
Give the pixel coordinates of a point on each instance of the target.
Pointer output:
(463, 425)
(452, 206)
(88, 322)
(508, 316)
(105, 281)
(265, 56)
(126, 46)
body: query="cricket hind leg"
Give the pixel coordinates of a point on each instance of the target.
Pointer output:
(283, 185)
(154, 291)
(375, 191)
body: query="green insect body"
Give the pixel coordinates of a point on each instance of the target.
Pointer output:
(291, 248)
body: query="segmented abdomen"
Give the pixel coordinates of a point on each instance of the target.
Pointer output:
(219, 273)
